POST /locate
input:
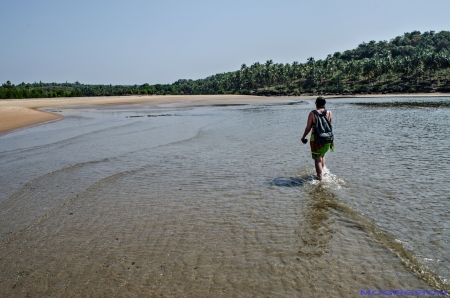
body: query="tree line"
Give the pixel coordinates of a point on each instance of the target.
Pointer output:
(413, 62)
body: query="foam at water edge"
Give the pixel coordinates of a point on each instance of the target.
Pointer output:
(329, 179)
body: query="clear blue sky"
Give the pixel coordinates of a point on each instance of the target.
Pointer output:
(153, 41)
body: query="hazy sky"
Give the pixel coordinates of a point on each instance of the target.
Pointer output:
(136, 42)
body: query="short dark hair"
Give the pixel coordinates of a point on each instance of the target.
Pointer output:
(320, 102)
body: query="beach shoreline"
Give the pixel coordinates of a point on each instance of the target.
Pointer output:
(23, 113)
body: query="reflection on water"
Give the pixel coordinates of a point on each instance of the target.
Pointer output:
(221, 201)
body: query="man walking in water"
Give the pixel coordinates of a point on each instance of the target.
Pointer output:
(318, 149)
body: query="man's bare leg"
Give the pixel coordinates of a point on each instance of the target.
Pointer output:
(318, 163)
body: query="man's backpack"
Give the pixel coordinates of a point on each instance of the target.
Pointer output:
(323, 131)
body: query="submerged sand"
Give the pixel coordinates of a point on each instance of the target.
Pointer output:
(216, 203)
(20, 113)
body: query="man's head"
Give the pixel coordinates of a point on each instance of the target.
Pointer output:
(320, 102)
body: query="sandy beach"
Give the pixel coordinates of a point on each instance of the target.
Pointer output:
(20, 113)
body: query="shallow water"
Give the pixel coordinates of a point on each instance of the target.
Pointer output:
(221, 201)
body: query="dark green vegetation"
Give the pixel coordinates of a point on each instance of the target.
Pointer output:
(411, 63)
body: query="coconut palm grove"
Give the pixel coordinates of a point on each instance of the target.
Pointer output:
(412, 63)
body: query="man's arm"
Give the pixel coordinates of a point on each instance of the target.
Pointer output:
(308, 126)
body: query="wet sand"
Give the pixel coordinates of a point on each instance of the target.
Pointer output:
(20, 113)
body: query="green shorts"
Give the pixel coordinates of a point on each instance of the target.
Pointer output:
(319, 150)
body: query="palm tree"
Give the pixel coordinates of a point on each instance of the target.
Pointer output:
(268, 72)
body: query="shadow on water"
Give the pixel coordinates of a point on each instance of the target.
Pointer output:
(290, 182)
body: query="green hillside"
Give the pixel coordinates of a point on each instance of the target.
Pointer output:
(411, 63)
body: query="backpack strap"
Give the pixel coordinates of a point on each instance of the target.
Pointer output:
(323, 114)
(317, 113)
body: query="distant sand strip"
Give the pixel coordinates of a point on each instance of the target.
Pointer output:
(20, 113)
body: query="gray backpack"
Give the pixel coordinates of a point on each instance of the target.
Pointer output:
(323, 131)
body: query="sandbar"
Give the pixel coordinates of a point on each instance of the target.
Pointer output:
(13, 118)
(21, 113)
